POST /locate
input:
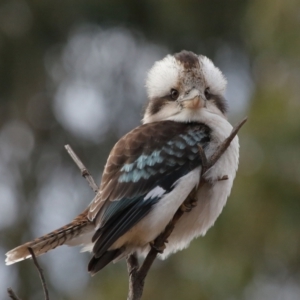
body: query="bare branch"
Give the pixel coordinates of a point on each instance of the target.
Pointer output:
(40, 271)
(136, 287)
(12, 294)
(84, 171)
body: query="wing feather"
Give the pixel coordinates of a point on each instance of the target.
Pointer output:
(152, 155)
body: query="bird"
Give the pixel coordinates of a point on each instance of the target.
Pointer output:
(152, 170)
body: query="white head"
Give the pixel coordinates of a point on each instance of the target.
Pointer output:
(182, 86)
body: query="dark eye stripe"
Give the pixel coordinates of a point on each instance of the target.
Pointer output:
(220, 102)
(156, 104)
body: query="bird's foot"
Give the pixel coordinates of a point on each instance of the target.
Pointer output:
(225, 177)
(159, 249)
(187, 206)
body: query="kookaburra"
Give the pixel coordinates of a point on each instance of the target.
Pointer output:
(153, 169)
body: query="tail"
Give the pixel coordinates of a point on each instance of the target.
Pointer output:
(78, 227)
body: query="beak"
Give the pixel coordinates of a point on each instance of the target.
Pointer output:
(193, 100)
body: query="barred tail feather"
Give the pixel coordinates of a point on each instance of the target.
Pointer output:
(50, 241)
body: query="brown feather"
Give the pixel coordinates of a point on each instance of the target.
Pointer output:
(41, 245)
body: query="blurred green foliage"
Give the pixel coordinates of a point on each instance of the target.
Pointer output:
(252, 252)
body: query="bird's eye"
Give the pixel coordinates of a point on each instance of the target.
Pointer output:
(207, 94)
(174, 94)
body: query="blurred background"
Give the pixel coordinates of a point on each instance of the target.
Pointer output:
(73, 72)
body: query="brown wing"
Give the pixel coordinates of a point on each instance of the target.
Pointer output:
(144, 154)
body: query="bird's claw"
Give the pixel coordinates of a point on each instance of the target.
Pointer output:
(188, 206)
(224, 177)
(159, 249)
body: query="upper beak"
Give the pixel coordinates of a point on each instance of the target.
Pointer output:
(193, 100)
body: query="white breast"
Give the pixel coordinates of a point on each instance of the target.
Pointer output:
(212, 196)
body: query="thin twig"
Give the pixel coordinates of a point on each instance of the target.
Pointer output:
(84, 171)
(40, 271)
(135, 286)
(222, 147)
(12, 294)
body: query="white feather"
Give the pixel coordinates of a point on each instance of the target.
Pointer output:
(212, 196)
(213, 76)
(156, 192)
(163, 76)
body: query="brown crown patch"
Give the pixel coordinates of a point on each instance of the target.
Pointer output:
(188, 59)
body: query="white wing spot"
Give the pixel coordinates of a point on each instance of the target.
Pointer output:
(156, 192)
